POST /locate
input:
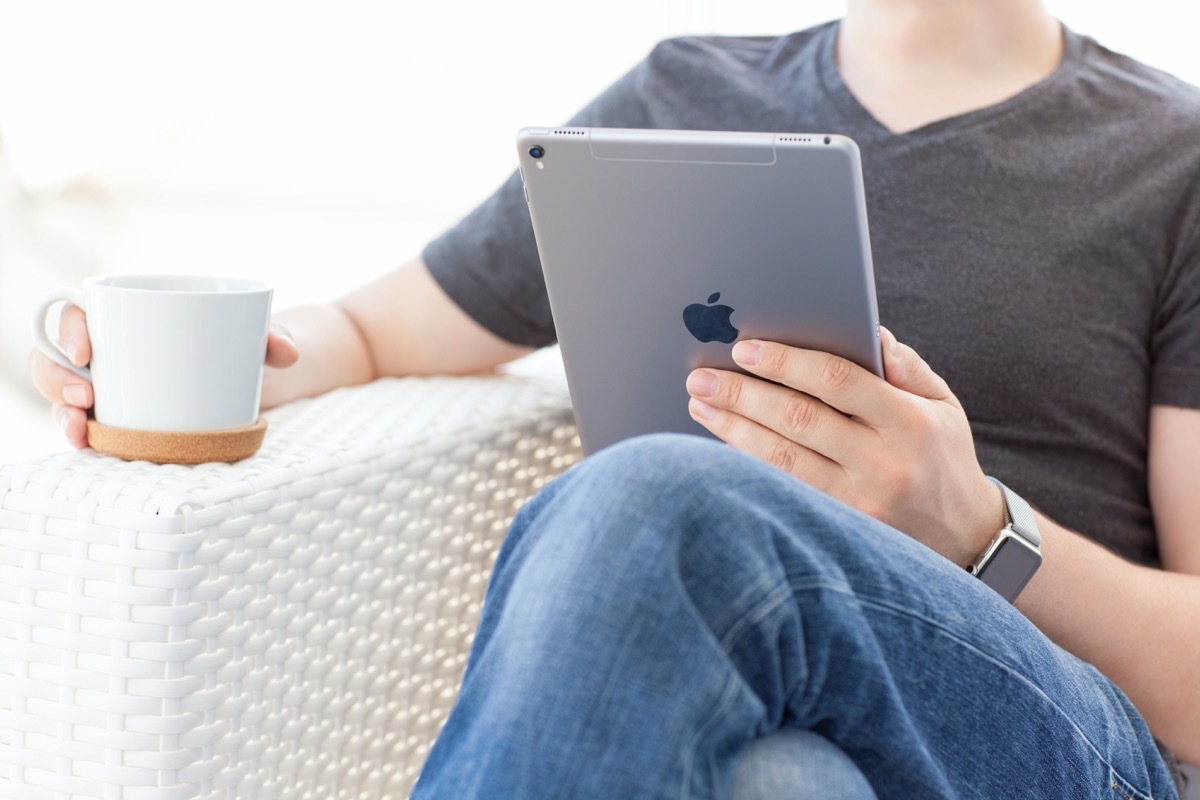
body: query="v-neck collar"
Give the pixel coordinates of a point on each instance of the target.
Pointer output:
(868, 128)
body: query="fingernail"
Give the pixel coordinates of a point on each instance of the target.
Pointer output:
(701, 409)
(76, 395)
(62, 422)
(747, 353)
(702, 383)
(73, 353)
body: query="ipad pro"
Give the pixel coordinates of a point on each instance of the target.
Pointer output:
(662, 248)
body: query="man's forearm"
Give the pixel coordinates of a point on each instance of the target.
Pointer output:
(401, 324)
(409, 326)
(332, 354)
(1135, 624)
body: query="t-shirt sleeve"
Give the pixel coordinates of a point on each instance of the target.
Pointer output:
(1175, 340)
(488, 263)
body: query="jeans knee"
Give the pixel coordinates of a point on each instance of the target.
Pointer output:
(622, 516)
(676, 495)
(665, 462)
(649, 479)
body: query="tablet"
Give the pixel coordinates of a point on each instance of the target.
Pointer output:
(662, 248)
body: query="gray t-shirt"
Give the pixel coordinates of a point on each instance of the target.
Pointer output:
(1043, 254)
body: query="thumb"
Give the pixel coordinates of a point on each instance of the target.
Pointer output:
(281, 347)
(906, 370)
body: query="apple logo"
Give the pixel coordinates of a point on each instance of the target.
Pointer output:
(710, 323)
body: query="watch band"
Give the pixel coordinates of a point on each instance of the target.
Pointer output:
(1018, 514)
(1014, 554)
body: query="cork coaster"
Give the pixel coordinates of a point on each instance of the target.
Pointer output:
(176, 448)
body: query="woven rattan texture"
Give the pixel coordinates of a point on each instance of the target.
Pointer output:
(294, 625)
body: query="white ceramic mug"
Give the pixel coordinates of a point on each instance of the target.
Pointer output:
(169, 353)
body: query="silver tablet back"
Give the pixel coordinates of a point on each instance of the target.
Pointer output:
(662, 248)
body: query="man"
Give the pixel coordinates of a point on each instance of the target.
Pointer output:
(673, 607)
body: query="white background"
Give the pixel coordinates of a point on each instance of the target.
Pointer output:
(316, 145)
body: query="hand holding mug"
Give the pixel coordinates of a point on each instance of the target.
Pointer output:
(158, 353)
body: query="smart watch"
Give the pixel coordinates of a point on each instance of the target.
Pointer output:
(1014, 555)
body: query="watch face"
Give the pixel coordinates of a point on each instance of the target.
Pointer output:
(1011, 567)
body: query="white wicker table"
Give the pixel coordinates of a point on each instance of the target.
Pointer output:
(294, 625)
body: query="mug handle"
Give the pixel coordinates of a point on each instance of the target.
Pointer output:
(50, 348)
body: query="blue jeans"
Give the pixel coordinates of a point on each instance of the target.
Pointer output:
(669, 601)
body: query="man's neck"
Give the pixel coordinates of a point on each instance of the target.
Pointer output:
(911, 62)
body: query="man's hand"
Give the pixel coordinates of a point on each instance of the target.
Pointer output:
(900, 450)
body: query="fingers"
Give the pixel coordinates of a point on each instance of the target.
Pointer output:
(906, 370)
(839, 383)
(58, 385)
(281, 347)
(70, 394)
(790, 430)
(766, 444)
(282, 353)
(73, 335)
(73, 422)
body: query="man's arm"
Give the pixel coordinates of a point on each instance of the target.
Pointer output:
(1174, 467)
(1138, 626)
(901, 450)
(401, 324)
(1135, 624)
(411, 327)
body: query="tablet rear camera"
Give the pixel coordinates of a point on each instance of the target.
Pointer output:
(536, 151)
